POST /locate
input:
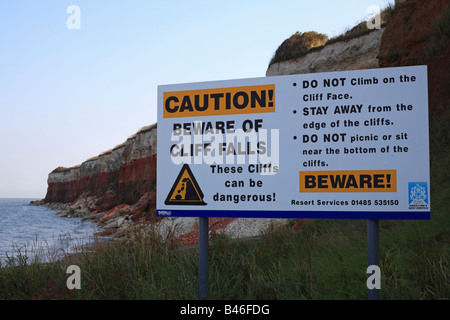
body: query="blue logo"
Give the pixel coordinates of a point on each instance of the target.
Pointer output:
(418, 195)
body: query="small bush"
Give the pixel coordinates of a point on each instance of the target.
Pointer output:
(299, 44)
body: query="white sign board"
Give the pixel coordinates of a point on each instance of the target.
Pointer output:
(351, 144)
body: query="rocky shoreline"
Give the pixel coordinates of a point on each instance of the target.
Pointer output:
(124, 221)
(120, 221)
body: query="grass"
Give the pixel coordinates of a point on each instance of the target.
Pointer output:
(325, 259)
(361, 28)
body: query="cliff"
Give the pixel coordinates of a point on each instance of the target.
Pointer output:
(118, 187)
(123, 174)
(419, 34)
(356, 53)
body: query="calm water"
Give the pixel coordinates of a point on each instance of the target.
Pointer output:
(37, 230)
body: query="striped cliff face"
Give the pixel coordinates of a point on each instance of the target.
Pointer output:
(120, 175)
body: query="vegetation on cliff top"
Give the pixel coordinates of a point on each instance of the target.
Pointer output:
(300, 44)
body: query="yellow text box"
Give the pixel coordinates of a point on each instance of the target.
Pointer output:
(348, 181)
(220, 101)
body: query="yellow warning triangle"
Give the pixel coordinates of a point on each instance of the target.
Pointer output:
(185, 190)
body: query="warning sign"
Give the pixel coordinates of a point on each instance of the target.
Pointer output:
(185, 190)
(344, 145)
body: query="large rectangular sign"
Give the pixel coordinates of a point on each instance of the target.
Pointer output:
(351, 144)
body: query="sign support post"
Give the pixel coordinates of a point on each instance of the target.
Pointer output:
(373, 252)
(203, 279)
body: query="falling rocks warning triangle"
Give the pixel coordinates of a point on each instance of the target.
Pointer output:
(185, 190)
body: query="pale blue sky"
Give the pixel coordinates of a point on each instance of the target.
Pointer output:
(68, 95)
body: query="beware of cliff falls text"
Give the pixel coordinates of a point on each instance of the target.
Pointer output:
(227, 141)
(217, 143)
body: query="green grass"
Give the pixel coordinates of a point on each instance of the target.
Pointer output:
(325, 259)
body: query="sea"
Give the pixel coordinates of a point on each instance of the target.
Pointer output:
(37, 233)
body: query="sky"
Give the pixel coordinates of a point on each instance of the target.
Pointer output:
(77, 81)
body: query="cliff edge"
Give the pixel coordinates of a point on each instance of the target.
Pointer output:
(122, 175)
(356, 53)
(116, 189)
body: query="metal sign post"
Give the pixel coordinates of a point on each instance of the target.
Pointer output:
(203, 278)
(373, 252)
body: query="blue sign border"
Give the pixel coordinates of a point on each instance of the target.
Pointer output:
(385, 215)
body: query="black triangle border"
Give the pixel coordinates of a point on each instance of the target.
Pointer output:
(196, 186)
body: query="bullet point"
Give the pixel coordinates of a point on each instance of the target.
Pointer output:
(295, 111)
(295, 137)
